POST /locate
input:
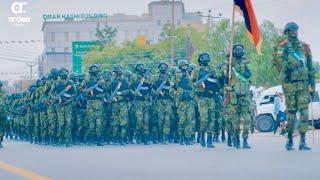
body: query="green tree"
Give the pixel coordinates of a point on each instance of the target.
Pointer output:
(105, 35)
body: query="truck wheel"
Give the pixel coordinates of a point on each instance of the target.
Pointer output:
(264, 123)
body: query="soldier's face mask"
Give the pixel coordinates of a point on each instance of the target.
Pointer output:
(107, 76)
(292, 33)
(163, 68)
(238, 51)
(184, 68)
(118, 73)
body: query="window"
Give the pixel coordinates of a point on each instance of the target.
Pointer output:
(159, 23)
(179, 22)
(53, 50)
(66, 49)
(77, 35)
(52, 36)
(66, 36)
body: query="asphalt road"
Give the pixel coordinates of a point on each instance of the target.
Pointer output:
(267, 160)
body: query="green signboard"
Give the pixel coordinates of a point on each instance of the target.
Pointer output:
(79, 50)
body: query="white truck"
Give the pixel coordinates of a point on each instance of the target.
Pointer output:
(265, 102)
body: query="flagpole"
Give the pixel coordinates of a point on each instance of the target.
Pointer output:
(231, 50)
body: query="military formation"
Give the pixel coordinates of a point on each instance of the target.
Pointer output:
(186, 104)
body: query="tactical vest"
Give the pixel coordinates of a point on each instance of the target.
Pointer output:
(241, 85)
(145, 90)
(186, 86)
(95, 91)
(166, 88)
(61, 86)
(211, 83)
(295, 55)
(124, 87)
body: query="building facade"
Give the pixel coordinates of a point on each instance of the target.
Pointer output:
(59, 35)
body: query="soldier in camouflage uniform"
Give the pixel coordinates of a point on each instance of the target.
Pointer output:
(163, 100)
(294, 62)
(220, 122)
(95, 94)
(63, 97)
(30, 111)
(3, 116)
(52, 108)
(141, 89)
(131, 110)
(238, 107)
(118, 97)
(36, 114)
(106, 83)
(184, 97)
(74, 126)
(44, 123)
(205, 83)
(80, 101)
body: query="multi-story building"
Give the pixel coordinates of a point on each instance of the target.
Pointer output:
(59, 35)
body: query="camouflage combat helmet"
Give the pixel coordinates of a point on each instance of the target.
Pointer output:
(204, 58)
(291, 26)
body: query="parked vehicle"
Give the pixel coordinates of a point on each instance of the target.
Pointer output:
(265, 117)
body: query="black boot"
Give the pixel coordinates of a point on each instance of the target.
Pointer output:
(236, 142)
(155, 138)
(245, 144)
(223, 137)
(165, 139)
(181, 141)
(289, 144)
(138, 139)
(188, 140)
(209, 141)
(229, 140)
(303, 145)
(122, 141)
(202, 140)
(146, 140)
(99, 141)
(192, 139)
(216, 138)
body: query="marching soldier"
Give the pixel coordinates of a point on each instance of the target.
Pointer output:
(294, 62)
(206, 88)
(238, 107)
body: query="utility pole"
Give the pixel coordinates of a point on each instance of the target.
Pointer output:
(172, 34)
(31, 64)
(210, 24)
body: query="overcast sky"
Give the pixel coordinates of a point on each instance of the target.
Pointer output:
(306, 13)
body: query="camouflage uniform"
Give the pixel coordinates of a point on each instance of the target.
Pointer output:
(163, 102)
(184, 97)
(205, 93)
(119, 106)
(294, 62)
(52, 107)
(141, 89)
(95, 106)
(81, 111)
(64, 91)
(239, 106)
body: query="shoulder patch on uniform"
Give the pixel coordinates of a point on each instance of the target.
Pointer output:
(283, 42)
(306, 47)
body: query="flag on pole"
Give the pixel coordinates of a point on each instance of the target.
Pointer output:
(245, 8)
